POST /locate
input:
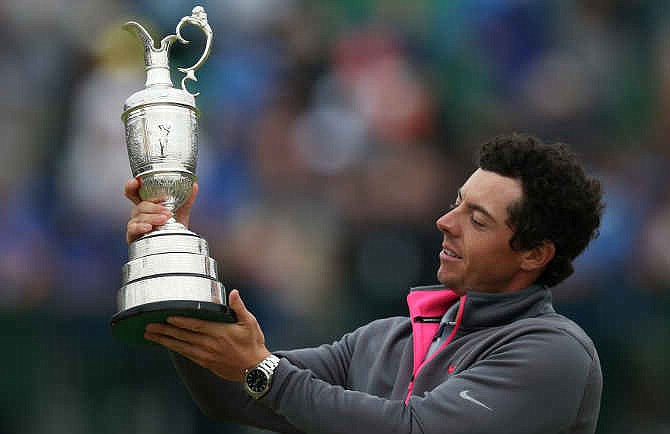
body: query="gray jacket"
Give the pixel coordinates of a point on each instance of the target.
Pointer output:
(511, 364)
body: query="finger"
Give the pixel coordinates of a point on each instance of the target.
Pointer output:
(131, 190)
(196, 354)
(137, 229)
(237, 305)
(143, 224)
(182, 214)
(146, 207)
(154, 219)
(192, 324)
(194, 338)
(191, 199)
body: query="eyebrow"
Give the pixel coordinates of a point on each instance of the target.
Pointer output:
(477, 207)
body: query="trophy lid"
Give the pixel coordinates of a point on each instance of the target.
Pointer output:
(159, 88)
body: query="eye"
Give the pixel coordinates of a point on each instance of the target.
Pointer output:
(476, 222)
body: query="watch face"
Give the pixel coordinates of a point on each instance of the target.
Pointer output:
(257, 381)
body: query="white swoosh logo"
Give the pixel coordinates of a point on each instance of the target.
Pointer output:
(464, 395)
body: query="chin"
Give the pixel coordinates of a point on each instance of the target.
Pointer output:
(449, 283)
(445, 280)
(441, 278)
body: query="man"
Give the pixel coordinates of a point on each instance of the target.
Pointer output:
(487, 355)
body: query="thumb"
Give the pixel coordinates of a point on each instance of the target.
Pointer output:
(183, 213)
(237, 305)
(191, 199)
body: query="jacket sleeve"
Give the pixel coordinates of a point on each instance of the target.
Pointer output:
(226, 400)
(532, 383)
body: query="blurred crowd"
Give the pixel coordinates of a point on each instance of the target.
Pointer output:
(334, 133)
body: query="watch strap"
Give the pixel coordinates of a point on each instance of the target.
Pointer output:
(269, 364)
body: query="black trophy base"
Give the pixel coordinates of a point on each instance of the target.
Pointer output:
(128, 325)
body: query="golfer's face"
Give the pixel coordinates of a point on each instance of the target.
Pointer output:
(476, 254)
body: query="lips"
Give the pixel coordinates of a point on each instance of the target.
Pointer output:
(450, 252)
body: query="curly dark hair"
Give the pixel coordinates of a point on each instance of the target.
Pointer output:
(560, 202)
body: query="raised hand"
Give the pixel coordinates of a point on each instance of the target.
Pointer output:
(148, 214)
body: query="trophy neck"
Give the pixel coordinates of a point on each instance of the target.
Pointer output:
(158, 76)
(157, 66)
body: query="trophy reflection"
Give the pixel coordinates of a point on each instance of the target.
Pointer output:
(169, 270)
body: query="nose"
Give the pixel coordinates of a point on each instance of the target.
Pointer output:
(448, 222)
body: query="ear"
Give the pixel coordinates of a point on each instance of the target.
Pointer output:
(538, 257)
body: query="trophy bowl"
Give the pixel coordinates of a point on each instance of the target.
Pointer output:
(169, 271)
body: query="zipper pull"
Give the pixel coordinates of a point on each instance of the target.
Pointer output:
(427, 319)
(440, 331)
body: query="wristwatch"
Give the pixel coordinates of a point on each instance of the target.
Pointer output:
(257, 380)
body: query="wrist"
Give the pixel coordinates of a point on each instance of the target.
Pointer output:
(262, 355)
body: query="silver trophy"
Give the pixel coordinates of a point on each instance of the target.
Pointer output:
(169, 270)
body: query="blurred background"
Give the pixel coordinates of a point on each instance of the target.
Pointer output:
(334, 133)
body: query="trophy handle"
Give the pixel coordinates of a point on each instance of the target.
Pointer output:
(198, 18)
